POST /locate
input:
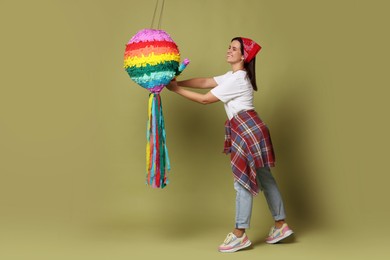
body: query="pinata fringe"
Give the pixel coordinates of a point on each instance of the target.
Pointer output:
(157, 159)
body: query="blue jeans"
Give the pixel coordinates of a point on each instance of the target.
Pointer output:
(244, 199)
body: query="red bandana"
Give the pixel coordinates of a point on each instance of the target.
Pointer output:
(251, 48)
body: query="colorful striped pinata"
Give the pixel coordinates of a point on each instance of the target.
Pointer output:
(152, 60)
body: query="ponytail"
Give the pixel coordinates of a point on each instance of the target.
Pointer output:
(251, 72)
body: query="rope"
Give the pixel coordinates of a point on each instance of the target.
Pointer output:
(161, 14)
(154, 15)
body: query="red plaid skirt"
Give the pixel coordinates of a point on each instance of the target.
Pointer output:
(248, 141)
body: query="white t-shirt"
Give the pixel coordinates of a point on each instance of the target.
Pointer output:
(235, 91)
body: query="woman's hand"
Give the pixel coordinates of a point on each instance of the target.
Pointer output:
(172, 86)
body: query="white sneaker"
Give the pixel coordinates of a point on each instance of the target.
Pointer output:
(276, 235)
(233, 243)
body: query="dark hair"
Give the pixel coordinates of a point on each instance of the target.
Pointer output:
(249, 67)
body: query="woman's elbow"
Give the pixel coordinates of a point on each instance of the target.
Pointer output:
(206, 101)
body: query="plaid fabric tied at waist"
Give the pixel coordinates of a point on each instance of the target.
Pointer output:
(248, 141)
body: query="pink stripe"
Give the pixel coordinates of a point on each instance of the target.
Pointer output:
(150, 35)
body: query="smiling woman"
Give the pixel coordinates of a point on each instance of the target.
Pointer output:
(247, 139)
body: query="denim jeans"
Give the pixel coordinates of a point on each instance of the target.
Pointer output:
(244, 199)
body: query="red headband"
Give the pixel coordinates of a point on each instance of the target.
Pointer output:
(251, 48)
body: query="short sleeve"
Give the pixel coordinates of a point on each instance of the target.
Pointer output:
(228, 88)
(221, 78)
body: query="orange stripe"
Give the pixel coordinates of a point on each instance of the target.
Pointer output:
(146, 51)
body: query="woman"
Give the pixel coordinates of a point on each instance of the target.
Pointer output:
(247, 139)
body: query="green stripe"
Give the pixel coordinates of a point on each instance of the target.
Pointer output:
(148, 69)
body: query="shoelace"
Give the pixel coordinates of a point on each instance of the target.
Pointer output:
(272, 231)
(228, 239)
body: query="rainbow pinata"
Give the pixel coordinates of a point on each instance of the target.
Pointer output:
(152, 60)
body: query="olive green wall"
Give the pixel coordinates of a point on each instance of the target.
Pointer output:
(72, 129)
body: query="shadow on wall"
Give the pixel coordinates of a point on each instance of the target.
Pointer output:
(291, 131)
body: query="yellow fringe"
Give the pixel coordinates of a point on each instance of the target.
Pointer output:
(151, 60)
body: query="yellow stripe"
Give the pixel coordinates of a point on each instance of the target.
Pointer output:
(150, 59)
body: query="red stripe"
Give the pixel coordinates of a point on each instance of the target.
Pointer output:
(140, 45)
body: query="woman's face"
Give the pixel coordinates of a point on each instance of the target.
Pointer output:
(234, 53)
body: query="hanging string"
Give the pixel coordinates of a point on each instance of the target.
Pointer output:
(161, 14)
(154, 14)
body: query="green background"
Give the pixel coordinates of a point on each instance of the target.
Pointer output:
(72, 130)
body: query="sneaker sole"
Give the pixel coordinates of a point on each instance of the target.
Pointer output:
(276, 240)
(234, 249)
